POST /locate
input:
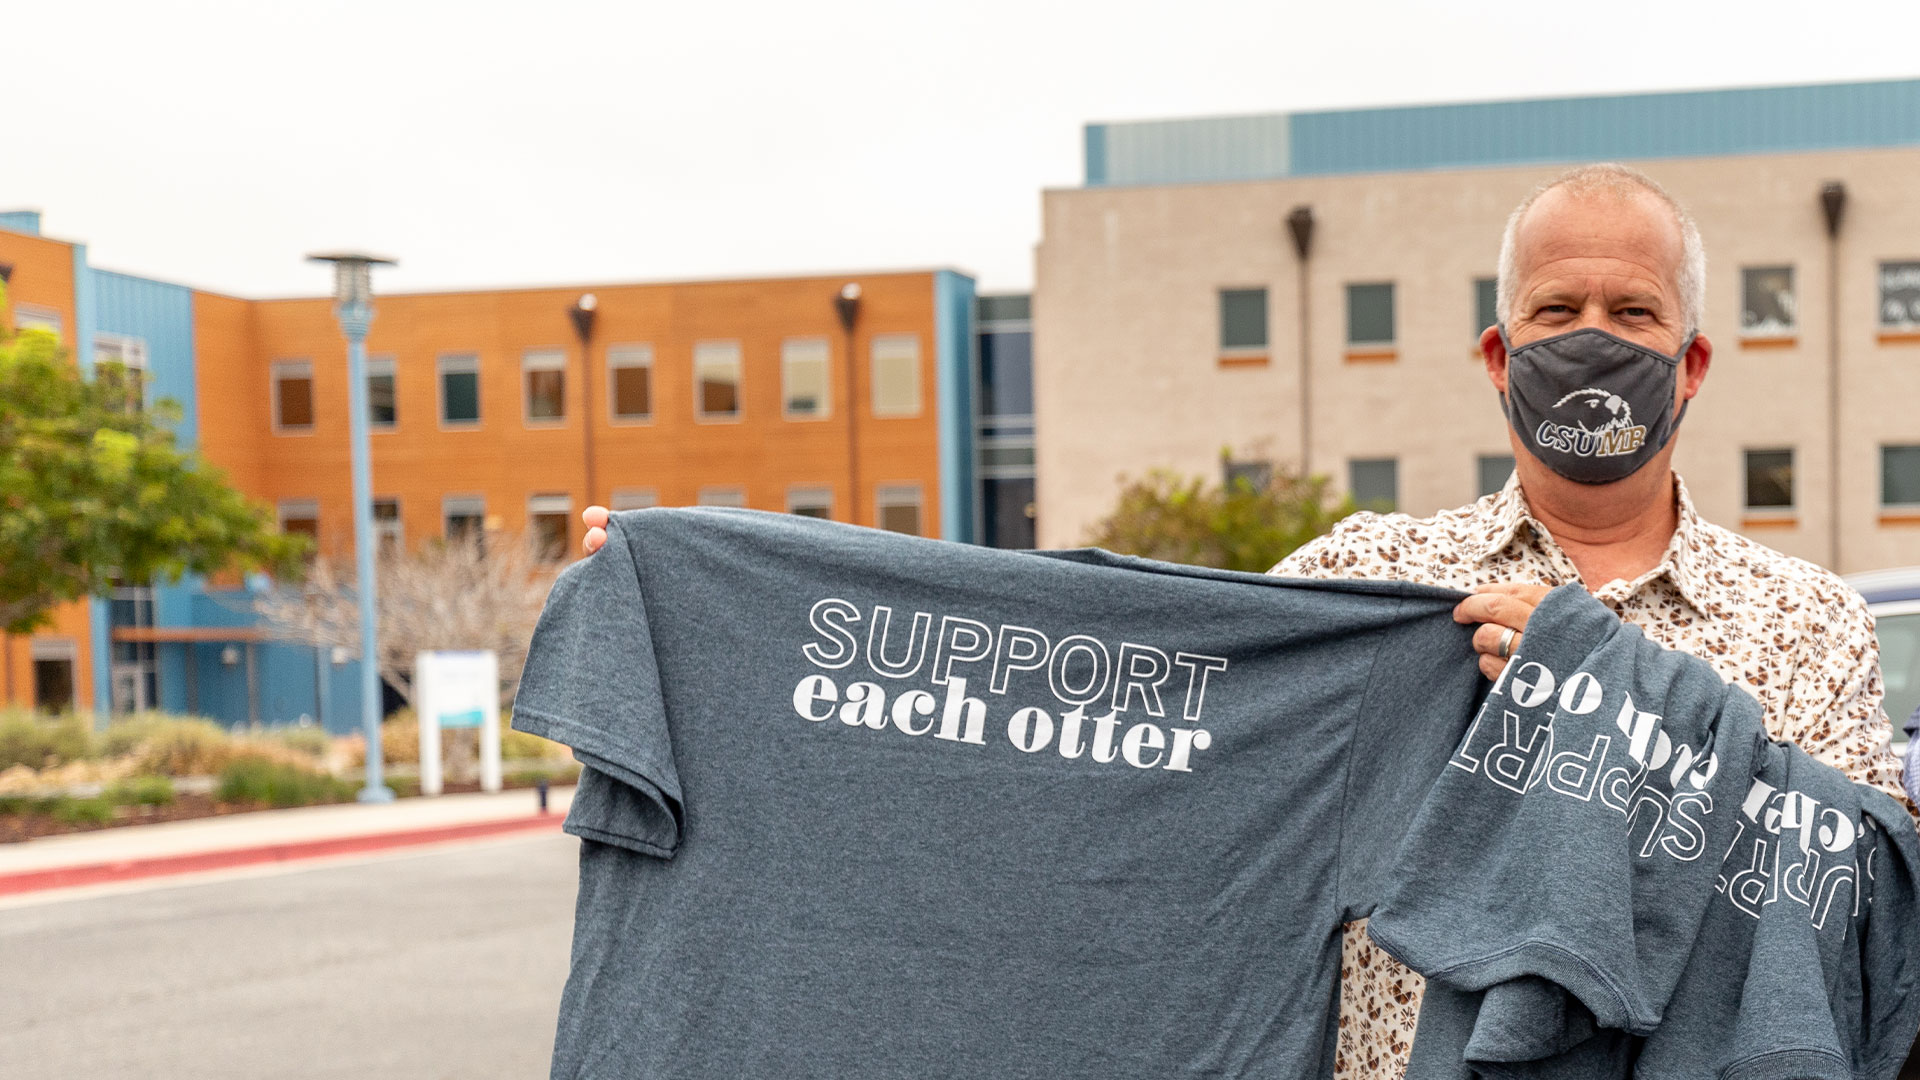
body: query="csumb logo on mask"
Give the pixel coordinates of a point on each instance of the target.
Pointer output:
(1591, 423)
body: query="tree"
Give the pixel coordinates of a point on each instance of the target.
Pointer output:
(94, 493)
(465, 592)
(1237, 526)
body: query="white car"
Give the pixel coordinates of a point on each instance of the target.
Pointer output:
(1894, 598)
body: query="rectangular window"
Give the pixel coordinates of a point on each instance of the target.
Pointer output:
(716, 380)
(1900, 476)
(29, 317)
(1486, 305)
(1766, 302)
(464, 517)
(633, 499)
(300, 516)
(548, 518)
(53, 664)
(1243, 320)
(1374, 483)
(1492, 471)
(459, 389)
(896, 375)
(1900, 296)
(292, 396)
(813, 502)
(803, 378)
(382, 410)
(544, 375)
(1370, 314)
(1253, 475)
(386, 527)
(1769, 479)
(722, 496)
(897, 508)
(131, 354)
(630, 382)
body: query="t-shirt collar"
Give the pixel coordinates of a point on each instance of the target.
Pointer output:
(1505, 511)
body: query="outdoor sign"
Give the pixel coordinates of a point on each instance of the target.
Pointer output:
(457, 689)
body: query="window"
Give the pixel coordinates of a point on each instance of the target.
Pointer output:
(1769, 479)
(131, 354)
(633, 499)
(1370, 314)
(896, 375)
(30, 317)
(630, 382)
(813, 502)
(53, 664)
(1006, 374)
(1493, 470)
(292, 396)
(716, 380)
(544, 384)
(1256, 475)
(460, 389)
(386, 527)
(898, 508)
(722, 496)
(803, 378)
(1900, 296)
(1374, 483)
(1766, 302)
(1486, 304)
(547, 519)
(1243, 320)
(382, 407)
(300, 516)
(1007, 512)
(464, 517)
(1900, 476)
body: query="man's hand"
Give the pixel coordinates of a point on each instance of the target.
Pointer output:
(596, 519)
(1497, 608)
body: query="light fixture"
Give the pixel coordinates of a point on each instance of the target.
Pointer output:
(230, 655)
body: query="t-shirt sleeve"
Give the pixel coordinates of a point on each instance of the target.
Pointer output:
(591, 682)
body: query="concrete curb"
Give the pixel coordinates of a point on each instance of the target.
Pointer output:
(63, 877)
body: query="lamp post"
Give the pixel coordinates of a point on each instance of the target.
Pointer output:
(847, 306)
(353, 306)
(1300, 225)
(1833, 203)
(583, 312)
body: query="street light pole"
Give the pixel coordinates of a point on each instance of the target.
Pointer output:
(583, 312)
(353, 306)
(847, 306)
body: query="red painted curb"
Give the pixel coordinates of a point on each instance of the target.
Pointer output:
(63, 877)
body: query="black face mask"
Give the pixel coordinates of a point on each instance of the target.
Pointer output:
(1593, 407)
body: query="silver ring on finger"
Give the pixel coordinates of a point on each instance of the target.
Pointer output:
(1506, 642)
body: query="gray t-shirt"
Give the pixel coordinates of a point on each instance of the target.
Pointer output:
(1651, 887)
(865, 805)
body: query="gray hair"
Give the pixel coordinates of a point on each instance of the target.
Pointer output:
(1622, 182)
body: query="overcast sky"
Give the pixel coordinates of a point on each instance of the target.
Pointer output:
(486, 143)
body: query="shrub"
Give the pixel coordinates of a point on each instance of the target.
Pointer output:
(178, 746)
(256, 779)
(521, 746)
(38, 741)
(82, 811)
(314, 742)
(139, 791)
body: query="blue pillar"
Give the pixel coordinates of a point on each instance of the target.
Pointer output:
(355, 317)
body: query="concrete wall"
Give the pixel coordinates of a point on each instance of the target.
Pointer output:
(1129, 374)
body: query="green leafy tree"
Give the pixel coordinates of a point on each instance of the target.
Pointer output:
(1236, 526)
(93, 491)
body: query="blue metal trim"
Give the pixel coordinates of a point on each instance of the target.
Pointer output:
(1096, 154)
(953, 308)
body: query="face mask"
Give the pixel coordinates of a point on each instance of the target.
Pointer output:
(1592, 406)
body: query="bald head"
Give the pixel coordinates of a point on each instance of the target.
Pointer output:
(1556, 225)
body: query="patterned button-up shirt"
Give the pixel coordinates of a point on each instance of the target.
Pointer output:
(1790, 633)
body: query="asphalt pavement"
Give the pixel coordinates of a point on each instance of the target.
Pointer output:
(440, 962)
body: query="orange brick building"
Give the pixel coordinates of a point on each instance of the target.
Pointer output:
(488, 410)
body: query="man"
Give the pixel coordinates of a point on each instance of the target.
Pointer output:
(1601, 289)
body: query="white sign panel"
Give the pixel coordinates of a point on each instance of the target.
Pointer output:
(457, 689)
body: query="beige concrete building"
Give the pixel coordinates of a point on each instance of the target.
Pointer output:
(1169, 328)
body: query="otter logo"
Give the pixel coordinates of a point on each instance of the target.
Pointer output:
(1602, 426)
